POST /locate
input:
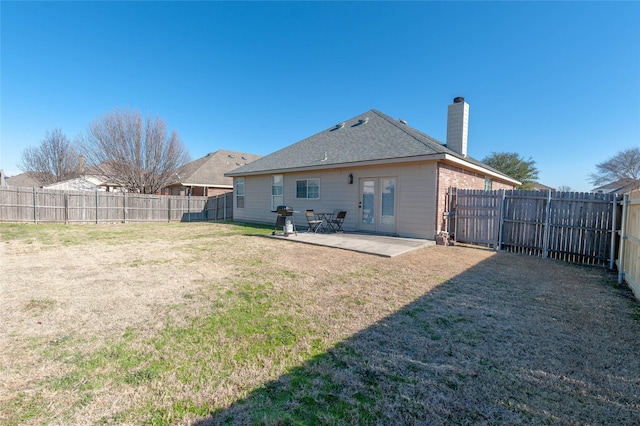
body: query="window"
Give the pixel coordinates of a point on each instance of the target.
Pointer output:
(487, 184)
(277, 198)
(308, 188)
(240, 192)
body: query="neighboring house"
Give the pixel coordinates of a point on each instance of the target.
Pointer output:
(23, 179)
(537, 186)
(87, 182)
(619, 187)
(82, 183)
(389, 177)
(206, 176)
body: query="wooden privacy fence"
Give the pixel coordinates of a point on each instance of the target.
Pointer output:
(36, 205)
(570, 226)
(629, 255)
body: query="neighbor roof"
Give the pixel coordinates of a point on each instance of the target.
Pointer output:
(26, 179)
(210, 170)
(540, 187)
(370, 136)
(620, 186)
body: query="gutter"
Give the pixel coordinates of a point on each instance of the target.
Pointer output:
(201, 184)
(466, 164)
(429, 157)
(377, 162)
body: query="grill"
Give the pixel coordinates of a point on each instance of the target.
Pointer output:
(284, 211)
(285, 221)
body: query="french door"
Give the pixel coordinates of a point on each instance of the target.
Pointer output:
(377, 205)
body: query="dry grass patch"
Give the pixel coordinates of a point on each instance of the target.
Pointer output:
(214, 323)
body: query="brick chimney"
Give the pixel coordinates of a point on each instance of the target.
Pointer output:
(458, 126)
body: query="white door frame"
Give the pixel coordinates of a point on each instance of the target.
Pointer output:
(377, 204)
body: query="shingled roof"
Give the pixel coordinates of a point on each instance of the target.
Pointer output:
(372, 136)
(26, 179)
(210, 170)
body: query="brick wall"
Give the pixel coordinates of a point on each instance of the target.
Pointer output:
(457, 177)
(217, 191)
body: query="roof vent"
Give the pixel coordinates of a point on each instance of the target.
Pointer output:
(458, 100)
(232, 156)
(340, 125)
(402, 121)
(363, 121)
(243, 157)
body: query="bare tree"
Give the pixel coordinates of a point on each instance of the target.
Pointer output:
(135, 154)
(54, 160)
(624, 167)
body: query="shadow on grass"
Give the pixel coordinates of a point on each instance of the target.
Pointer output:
(505, 342)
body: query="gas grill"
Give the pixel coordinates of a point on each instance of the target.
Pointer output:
(285, 221)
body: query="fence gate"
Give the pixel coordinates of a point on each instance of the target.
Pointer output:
(476, 217)
(571, 226)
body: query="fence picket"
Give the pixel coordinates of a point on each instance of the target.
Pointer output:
(35, 205)
(570, 226)
(629, 249)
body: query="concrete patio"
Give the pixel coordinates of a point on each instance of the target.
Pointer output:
(364, 243)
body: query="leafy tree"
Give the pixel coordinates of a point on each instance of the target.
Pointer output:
(514, 166)
(54, 160)
(137, 154)
(624, 166)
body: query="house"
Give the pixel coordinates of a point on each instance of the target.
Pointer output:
(620, 187)
(389, 177)
(206, 176)
(80, 183)
(537, 186)
(26, 180)
(87, 182)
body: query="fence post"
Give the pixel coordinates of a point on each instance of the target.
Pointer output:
(454, 203)
(97, 206)
(169, 209)
(124, 206)
(501, 219)
(66, 208)
(224, 205)
(547, 226)
(614, 220)
(189, 206)
(35, 205)
(447, 210)
(623, 237)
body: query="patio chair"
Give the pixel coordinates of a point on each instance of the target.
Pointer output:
(335, 224)
(313, 222)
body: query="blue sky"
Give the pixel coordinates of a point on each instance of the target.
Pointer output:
(555, 81)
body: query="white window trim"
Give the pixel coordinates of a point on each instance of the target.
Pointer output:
(307, 197)
(238, 194)
(488, 181)
(274, 204)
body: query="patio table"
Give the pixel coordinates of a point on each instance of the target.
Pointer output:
(326, 220)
